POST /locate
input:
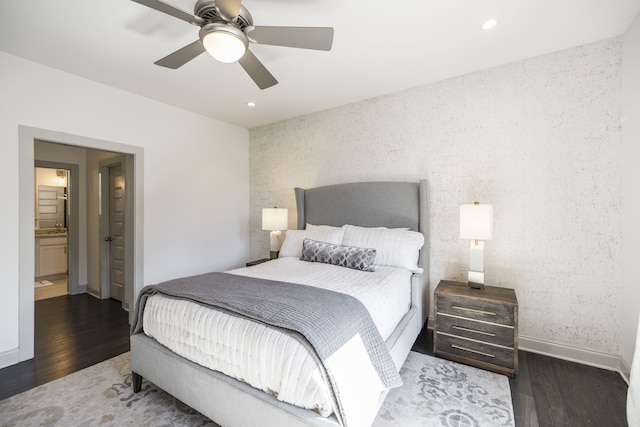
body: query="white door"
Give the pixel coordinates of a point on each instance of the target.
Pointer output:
(116, 233)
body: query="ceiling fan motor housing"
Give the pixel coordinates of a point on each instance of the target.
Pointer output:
(206, 9)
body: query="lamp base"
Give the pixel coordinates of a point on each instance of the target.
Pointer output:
(475, 276)
(275, 243)
(475, 279)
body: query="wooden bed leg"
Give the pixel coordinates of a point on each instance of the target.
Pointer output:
(137, 382)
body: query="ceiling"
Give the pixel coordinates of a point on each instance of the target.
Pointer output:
(379, 47)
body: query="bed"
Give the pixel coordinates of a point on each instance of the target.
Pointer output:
(368, 208)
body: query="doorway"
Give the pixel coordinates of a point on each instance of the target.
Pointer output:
(51, 228)
(69, 223)
(134, 236)
(114, 219)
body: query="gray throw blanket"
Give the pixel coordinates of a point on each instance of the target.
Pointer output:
(326, 319)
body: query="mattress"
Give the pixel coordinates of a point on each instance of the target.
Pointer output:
(269, 359)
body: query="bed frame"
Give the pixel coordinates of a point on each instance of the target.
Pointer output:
(232, 403)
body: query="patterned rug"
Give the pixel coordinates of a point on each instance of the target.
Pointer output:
(436, 392)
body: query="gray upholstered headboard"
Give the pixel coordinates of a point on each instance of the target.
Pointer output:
(367, 204)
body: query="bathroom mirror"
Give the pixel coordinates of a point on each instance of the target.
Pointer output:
(51, 198)
(52, 206)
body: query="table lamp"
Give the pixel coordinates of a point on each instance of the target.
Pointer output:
(275, 220)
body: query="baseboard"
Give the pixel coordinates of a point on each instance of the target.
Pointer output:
(93, 292)
(606, 361)
(9, 358)
(625, 370)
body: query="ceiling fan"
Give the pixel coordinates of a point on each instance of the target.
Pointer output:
(226, 29)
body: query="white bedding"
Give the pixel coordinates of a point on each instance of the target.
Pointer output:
(265, 358)
(386, 292)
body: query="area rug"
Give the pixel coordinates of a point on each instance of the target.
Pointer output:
(436, 392)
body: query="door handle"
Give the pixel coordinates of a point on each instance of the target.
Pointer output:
(108, 239)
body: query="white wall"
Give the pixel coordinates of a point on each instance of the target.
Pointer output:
(539, 139)
(196, 179)
(631, 137)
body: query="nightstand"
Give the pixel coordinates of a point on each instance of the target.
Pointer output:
(256, 262)
(477, 327)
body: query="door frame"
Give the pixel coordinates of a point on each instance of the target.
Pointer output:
(26, 299)
(73, 232)
(124, 162)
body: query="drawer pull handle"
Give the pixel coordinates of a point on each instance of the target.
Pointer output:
(472, 351)
(460, 328)
(473, 310)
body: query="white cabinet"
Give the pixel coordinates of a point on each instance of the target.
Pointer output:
(51, 256)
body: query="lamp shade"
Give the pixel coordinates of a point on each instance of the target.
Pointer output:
(275, 219)
(476, 222)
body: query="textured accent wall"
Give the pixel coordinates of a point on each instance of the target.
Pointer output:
(539, 139)
(631, 138)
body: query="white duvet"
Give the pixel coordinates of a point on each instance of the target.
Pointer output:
(270, 360)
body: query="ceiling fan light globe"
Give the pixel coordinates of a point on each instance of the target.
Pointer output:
(224, 46)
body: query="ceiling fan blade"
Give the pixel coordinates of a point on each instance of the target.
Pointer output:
(181, 56)
(228, 9)
(258, 73)
(163, 7)
(318, 38)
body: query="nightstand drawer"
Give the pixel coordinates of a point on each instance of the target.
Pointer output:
(476, 309)
(466, 349)
(480, 331)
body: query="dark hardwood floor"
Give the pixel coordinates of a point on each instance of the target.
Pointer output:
(74, 332)
(71, 333)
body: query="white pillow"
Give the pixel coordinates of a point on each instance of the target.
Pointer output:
(395, 248)
(292, 244)
(321, 227)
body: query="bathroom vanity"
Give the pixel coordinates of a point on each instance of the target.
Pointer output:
(51, 254)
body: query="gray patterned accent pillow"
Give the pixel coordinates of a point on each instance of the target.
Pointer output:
(344, 256)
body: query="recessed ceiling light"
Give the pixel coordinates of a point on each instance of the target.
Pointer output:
(251, 104)
(489, 24)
